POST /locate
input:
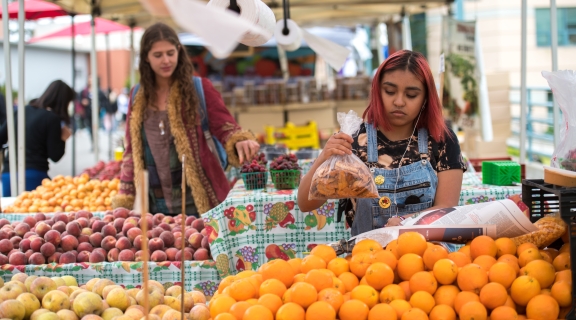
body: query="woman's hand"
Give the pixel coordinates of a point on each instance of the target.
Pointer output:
(66, 133)
(394, 222)
(338, 144)
(246, 149)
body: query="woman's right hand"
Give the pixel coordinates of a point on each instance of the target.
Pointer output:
(338, 144)
(66, 133)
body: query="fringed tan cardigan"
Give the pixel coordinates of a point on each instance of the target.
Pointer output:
(204, 175)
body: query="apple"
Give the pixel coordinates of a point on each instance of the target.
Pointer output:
(17, 259)
(47, 249)
(74, 228)
(6, 246)
(41, 286)
(85, 246)
(69, 243)
(12, 309)
(87, 303)
(55, 301)
(155, 297)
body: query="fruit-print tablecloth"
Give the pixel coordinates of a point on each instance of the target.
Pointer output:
(200, 275)
(473, 191)
(252, 227)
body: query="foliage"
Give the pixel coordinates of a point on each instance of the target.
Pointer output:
(3, 91)
(464, 69)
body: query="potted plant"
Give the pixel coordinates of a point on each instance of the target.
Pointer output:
(285, 172)
(254, 173)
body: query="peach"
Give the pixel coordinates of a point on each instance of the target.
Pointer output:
(165, 226)
(95, 239)
(187, 256)
(97, 225)
(37, 259)
(121, 213)
(50, 222)
(73, 228)
(139, 256)
(83, 256)
(61, 217)
(16, 241)
(201, 254)
(4, 234)
(155, 244)
(171, 254)
(53, 237)
(3, 259)
(87, 231)
(29, 234)
(85, 246)
(4, 222)
(168, 238)
(195, 240)
(158, 218)
(132, 220)
(157, 231)
(84, 214)
(108, 219)
(118, 224)
(123, 243)
(83, 238)
(138, 242)
(47, 249)
(205, 243)
(178, 242)
(108, 243)
(204, 232)
(21, 229)
(96, 257)
(67, 257)
(149, 221)
(40, 217)
(126, 228)
(189, 232)
(133, 233)
(83, 222)
(113, 255)
(189, 220)
(6, 246)
(27, 253)
(17, 259)
(168, 220)
(126, 255)
(108, 230)
(55, 257)
(102, 251)
(59, 226)
(158, 256)
(69, 242)
(198, 224)
(24, 245)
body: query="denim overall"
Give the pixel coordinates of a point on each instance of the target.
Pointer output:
(417, 181)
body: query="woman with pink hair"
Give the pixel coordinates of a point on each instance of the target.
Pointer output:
(414, 157)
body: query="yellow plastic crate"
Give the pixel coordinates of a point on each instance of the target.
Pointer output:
(294, 137)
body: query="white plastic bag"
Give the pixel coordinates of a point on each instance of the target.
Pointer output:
(343, 176)
(563, 85)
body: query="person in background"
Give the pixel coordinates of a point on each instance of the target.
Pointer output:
(47, 129)
(122, 102)
(2, 109)
(85, 106)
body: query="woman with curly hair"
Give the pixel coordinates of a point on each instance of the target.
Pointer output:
(164, 123)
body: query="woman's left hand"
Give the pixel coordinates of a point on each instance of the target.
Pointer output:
(246, 149)
(394, 222)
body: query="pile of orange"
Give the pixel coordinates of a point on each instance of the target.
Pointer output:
(67, 194)
(410, 279)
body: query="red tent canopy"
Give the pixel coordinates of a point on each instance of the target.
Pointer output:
(103, 26)
(35, 9)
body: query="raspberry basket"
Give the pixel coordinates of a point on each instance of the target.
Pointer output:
(285, 179)
(255, 180)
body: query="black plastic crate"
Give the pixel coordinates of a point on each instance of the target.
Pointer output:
(544, 198)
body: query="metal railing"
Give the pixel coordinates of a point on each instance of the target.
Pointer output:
(539, 120)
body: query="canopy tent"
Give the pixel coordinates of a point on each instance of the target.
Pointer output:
(35, 9)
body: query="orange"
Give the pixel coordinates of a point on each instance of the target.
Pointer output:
(258, 312)
(528, 255)
(423, 301)
(324, 251)
(511, 261)
(278, 269)
(220, 305)
(312, 262)
(510, 303)
(270, 301)
(485, 262)
(565, 248)
(505, 246)
(523, 289)
(303, 294)
(472, 278)
(546, 256)
(552, 252)
(392, 292)
(445, 271)
(503, 313)
(245, 274)
(423, 281)
(252, 302)
(525, 246)
(365, 294)
(299, 278)
(483, 245)
(547, 292)
(363, 281)
(386, 257)
(473, 311)
(333, 297)
(379, 275)
(353, 310)
(225, 283)
(367, 246)
(502, 273)
(225, 316)
(339, 266)
(382, 311)
(401, 306)
(562, 292)
(350, 280)
(459, 258)
(393, 248)
(463, 298)
(360, 263)
(442, 312)
(273, 286)
(242, 290)
(291, 311)
(408, 265)
(238, 309)
(328, 272)
(562, 261)
(338, 285)
(542, 271)
(433, 254)
(405, 285)
(446, 295)
(320, 310)
(411, 242)
(296, 265)
(287, 297)
(542, 307)
(493, 295)
(319, 279)
(414, 314)
(564, 275)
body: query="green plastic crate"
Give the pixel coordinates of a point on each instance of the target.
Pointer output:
(500, 173)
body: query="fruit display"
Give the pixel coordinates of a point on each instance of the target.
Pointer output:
(285, 172)
(254, 172)
(44, 298)
(117, 236)
(285, 162)
(104, 171)
(409, 279)
(67, 194)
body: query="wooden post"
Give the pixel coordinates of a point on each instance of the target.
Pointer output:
(183, 225)
(441, 90)
(144, 216)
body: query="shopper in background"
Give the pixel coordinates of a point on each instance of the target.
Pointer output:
(47, 129)
(85, 106)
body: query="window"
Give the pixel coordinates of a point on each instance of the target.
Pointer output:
(566, 19)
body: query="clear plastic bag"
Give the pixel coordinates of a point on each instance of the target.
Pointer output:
(550, 229)
(343, 176)
(563, 85)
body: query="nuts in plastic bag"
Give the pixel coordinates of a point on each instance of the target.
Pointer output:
(343, 176)
(551, 228)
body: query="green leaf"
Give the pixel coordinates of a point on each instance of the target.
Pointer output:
(291, 254)
(330, 220)
(58, 270)
(76, 268)
(255, 266)
(135, 266)
(217, 241)
(156, 269)
(292, 226)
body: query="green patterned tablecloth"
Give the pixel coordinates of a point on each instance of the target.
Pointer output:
(252, 227)
(473, 191)
(200, 275)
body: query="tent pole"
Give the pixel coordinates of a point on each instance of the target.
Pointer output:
(554, 47)
(95, 90)
(109, 91)
(74, 124)
(523, 91)
(132, 56)
(406, 32)
(21, 135)
(9, 103)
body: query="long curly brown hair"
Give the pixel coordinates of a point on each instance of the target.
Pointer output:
(182, 73)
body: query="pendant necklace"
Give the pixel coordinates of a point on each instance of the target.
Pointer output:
(161, 124)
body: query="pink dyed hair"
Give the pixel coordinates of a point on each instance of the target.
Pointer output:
(416, 63)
